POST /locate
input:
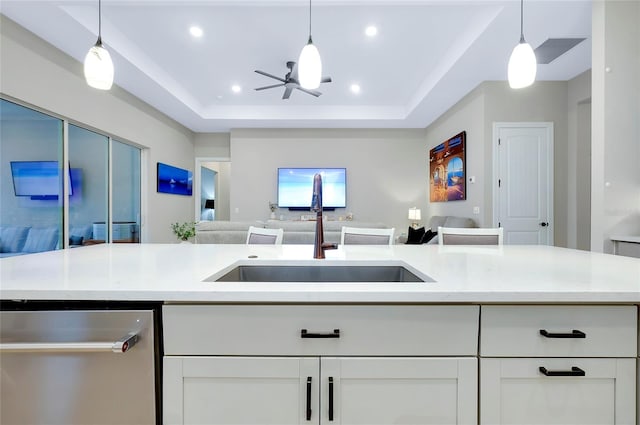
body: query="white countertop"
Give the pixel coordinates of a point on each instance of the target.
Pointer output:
(175, 273)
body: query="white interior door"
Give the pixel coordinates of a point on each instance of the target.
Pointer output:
(523, 183)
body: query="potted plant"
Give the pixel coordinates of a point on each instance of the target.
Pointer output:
(184, 231)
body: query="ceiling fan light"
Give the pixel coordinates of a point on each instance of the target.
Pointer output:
(310, 67)
(98, 67)
(522, 67)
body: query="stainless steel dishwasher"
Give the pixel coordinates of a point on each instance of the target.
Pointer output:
(81, 367)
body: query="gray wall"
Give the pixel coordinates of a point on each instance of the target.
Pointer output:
(386, 170)
(25, 58)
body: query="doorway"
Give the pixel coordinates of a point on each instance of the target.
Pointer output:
(212, 183)
(523, 182)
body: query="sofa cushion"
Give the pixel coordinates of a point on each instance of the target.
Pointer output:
(429, 236)
(226, 225)
(12, 238)
(41, 239)
(459, 222)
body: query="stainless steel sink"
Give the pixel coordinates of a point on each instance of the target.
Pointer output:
(307, 273)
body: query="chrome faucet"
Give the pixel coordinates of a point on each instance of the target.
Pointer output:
(316, 205)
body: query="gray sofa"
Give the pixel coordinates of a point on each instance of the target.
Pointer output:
(448, 221)
(295, 232)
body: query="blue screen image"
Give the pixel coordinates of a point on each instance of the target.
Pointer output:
(295, 187)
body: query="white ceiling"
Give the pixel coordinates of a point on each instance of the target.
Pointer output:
(427, 55)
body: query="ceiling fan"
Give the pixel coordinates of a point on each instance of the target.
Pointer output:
(290, 81)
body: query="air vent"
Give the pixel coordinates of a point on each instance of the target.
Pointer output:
(553, 48)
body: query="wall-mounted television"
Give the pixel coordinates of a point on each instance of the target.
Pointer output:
(295, 187)
(174, 180)
(38, 179)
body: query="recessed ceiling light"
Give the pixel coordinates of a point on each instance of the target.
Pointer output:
(236, 88)
(196, 31)
(371, 31)
(355, 88)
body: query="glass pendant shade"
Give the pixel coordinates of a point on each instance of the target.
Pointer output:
(98, 67)
(521, 71)
(310, 67)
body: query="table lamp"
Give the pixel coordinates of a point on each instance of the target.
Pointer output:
(414, 216)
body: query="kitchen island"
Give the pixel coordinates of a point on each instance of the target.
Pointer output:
(177, 273)
(494, 335)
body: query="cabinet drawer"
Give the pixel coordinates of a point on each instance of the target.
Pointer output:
(571, 331)
(516, 392)
(330, 330)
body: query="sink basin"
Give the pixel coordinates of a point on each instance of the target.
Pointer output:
(317, 273)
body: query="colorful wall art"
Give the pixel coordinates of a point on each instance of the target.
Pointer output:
(447, 170)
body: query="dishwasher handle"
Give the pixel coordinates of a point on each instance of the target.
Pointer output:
(122, 345)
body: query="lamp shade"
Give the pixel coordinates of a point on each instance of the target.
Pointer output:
(98, 67)
(521, 70)
(309, 67)
(414, 214)
(210, 204)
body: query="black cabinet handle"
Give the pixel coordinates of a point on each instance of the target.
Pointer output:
(575, 371)
(574, 334)
(305, 334)
(331, 398)
(308, 398)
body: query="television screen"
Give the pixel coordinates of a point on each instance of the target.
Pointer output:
(37, 179)
(295, 187)
(174, 180)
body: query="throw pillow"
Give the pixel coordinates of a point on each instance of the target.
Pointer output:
(414, 236)
(76, 240)
(428, 235)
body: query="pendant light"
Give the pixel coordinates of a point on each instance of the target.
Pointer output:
(309, 63)
(98, 67)
(521, 71)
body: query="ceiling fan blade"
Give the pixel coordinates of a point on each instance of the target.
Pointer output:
(312, 92)
(266, 74)
(269, 87)
(325, 80)
(287, 93)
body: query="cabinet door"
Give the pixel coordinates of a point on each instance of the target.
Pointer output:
(240, 390)
(515, 391)
(371, 391)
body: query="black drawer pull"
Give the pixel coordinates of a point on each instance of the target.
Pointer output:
(305, 334)
(331, 398)
(574, 334)
(308, 398)
(575, 371)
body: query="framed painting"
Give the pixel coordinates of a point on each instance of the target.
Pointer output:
(174, 180)
(447, 181)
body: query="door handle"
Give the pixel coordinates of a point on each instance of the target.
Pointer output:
(544, 224)
(308, 398)
(305, 334)
(575, 371)
(120, 346)
(573, 334)
(331, 398)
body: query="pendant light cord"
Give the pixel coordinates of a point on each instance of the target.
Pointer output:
(521, 21)
(309, 19)
(99, 42)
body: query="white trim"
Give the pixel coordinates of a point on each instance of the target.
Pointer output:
(548, 126)
(66, 182)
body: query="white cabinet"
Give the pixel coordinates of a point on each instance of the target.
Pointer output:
(312, 390)
(558, 365)
(241, 364)
(514, 391)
